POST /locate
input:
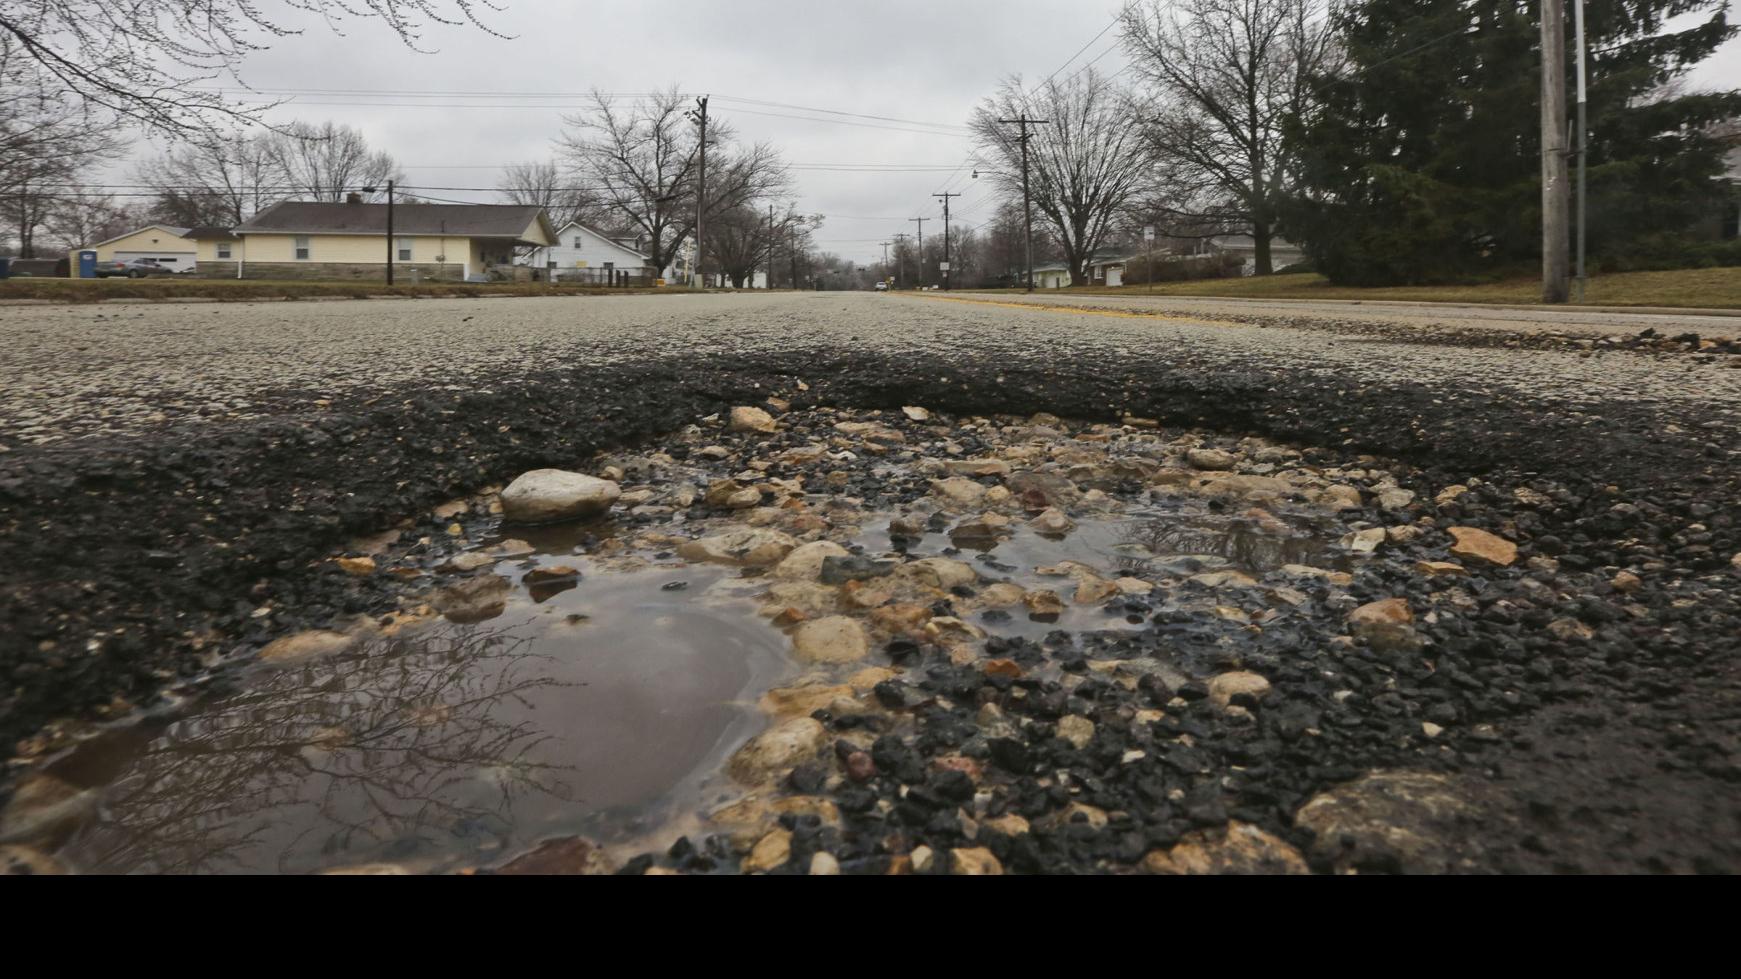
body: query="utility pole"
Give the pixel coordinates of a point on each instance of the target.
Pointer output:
(371, 190)
(699, 114)
(1583, 142)
(1027, 207)
(770, 246)
(946, 268)
(900, 260)
(794, 227)
(885, 258)
(390, 255)
(1555, 202)
(921, 249)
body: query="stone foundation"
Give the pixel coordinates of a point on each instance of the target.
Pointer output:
(339, 271)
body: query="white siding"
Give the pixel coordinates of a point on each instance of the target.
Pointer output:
(582, 247)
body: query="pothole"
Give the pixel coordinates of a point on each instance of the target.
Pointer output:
(726, 657)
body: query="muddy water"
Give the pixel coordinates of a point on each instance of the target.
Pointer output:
(452, 745)
(602, 706)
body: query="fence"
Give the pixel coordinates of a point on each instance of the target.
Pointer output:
(605, 278)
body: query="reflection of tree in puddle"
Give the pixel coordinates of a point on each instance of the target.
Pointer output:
(393, 750)
(1238, 541)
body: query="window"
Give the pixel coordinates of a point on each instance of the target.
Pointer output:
(302, 248)
(402, 249)
(577, 241)
(223, 249)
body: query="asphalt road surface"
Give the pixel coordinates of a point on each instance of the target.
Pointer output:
(78, 371)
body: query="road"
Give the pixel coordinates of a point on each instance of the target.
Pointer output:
(1436, 316)
(126, 370)
(172, 469)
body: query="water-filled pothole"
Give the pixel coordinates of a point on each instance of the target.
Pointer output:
(589, 680)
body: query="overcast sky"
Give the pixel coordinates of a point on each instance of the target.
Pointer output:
(927, 62)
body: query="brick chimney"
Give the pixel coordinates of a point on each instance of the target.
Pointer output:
(353, 198)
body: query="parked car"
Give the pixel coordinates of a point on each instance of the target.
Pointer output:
(882, 286)
(135, 268)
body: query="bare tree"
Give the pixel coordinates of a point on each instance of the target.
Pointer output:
(545, 185)
(86, 216)
(642, 157)
(738, 242)
(147, 63)
(45, 144)
(216, 183)
(1224, 74)
(324, 162)
(1086, 164)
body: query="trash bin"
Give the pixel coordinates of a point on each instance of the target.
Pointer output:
(5, 268)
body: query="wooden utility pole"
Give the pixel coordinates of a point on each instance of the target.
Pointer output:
(1556, 233)
(900, 260)
(921, 247)
(946, 268)
(700, 117)
(1583, 143)
(770, 246)
(390, 255)
(1027, 207)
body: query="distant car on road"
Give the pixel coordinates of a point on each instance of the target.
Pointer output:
(882, 287)
(136, 268)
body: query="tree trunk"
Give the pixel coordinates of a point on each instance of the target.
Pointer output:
(1260, 238)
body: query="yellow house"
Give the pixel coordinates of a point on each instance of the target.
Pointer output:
(171, 247)
(317, 240)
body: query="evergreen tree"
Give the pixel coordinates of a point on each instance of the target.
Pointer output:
(1421, 161)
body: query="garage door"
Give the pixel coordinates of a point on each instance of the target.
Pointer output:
(169, 260)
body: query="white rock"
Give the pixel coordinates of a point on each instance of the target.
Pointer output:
(915, 413)
(1224, 687)
(777, 750)
(959, 490)
(747, 418)
(1076, 729)
(831, 639)
(805, 561)
(1211, 459)
(1052, 521)
(750, 546)
(1364, 541)
(312, 644)
(554, 494)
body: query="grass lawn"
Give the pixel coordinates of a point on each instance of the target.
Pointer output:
(1718, 288)
(94, 290)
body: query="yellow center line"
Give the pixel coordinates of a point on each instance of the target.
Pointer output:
(1063, 308)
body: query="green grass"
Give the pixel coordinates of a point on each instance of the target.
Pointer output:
(1716, 288)
(239, 290)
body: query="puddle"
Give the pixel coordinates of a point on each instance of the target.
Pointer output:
(449, 746)
(601, 704)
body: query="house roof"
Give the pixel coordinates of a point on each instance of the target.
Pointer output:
(209, 234)
(507, 221)
(613, 239)
(169, 228)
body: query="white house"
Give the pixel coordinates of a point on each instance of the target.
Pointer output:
(1053, 275)
(1282, 253)
(581, 246)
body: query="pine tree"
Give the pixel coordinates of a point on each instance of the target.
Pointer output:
(1420, 162)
